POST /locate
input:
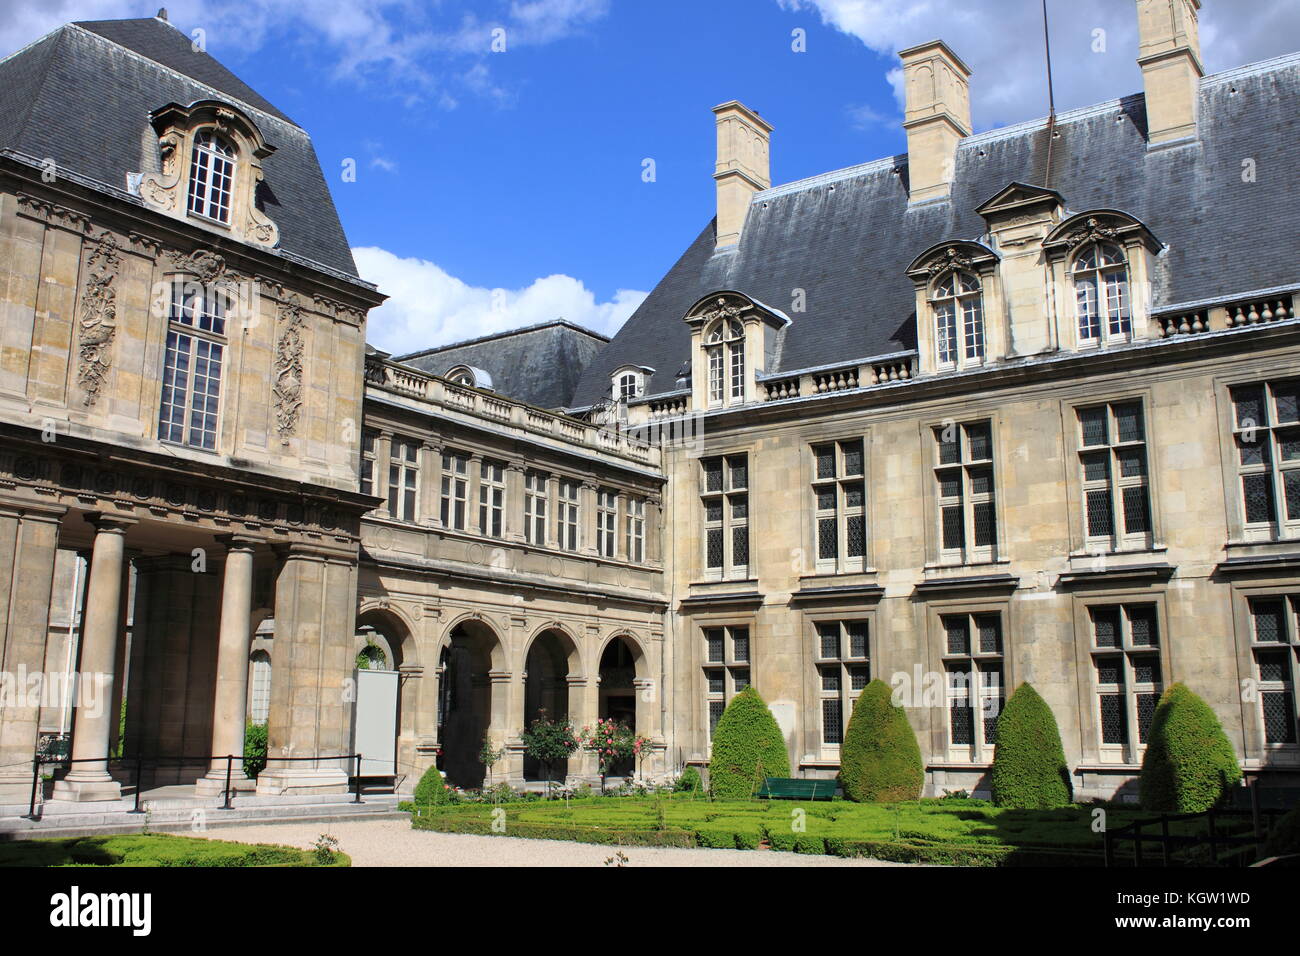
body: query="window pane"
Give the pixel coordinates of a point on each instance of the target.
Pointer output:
(825, 455)
(961, 718)
(1128, 419)
(828, 638)
(1112, 719)
(1132, 463)
(1249, 406)
(980, 447)
(1269, 623)
(1099, 515)
(859, 677)
(990, 632)
(827, 539)
(1095, 427)
(717, 683)
(1146, 669)
(854, 494)
(1110, 670)
(949, 445)
(716, 707)
(740, 545)
(826, 498)
(740, 644)
(1272, 666)
(1291, 484)
(1137, 518)
(958, 634)
(1105, 626)
(714, 548)
(739, 466)
(954, 528)
(1142, 626)
(1286, 398)
(986, 533)
(1258, 493)
(852, 458)
(713, 474)
(740, 678)
(857, 638)
(832, 722)
(1279, 717)
(1146, 709)
(855, 529)
(830, 677)
(1096, 466)
(713, 644)
(950, 483)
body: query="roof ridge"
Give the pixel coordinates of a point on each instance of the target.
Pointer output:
(534, 327)
(219, 94)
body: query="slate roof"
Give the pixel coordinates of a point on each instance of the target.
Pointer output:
(539, 364)
(846, 237)
(82, 95)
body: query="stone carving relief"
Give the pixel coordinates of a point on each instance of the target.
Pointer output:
(1093, 231)
(97, 326)
(949, 260)
(288, 368)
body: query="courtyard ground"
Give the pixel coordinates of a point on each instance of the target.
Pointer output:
(394, 843)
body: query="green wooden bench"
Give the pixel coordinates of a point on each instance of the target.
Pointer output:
(789, 788)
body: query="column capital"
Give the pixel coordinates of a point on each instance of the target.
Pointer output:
(110, 523)
(239, 542)
(516, 466)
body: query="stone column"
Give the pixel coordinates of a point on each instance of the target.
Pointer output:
(553, 512)
(622, 512)
(514, 527)
(587, 519)
(431, 484)
(230, 710)
(92, 721)
(383, 460)
(583, 712)
(473, 522)
(654, 529)
(28, 544)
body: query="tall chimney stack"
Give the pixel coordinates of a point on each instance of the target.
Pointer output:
(1169, 52)
(936, 116)
(743, 168)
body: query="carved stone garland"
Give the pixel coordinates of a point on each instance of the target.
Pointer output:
(288, 369)
(98, 324)
(1093, 231)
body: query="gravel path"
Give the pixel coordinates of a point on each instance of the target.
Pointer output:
(394, 843)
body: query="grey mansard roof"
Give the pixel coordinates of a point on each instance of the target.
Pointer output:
(539, 364)
(847, 237)
(82, 96)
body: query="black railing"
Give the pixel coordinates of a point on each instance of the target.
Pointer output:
(139, 762)
(1219, 842)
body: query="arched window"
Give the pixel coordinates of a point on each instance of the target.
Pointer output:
(1101, 292)
(212, 176)
(260, 706)
(724, 346)
(958, 310)
(461, 376)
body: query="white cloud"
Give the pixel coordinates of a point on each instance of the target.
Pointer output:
(429, 307)
(410, 49)
(1002, 42)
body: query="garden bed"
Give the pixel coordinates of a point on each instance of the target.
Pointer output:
(158, 849)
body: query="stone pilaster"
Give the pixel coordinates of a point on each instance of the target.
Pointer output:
(28, 543)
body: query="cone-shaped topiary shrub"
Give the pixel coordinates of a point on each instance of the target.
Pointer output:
(747, 746)
(1189, 765)
(880, 761)
(1029, 768)
(430, 790)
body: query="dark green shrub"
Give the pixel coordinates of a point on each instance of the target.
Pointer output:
(880, 761)
(430, 791)
(1285, 838)
(1189, 765)
(688, 782)
(254, 750)
(747, 746)
(1029, 768)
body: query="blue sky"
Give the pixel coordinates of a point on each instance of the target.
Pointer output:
(499, 188)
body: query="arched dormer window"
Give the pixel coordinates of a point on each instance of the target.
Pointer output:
(1100, 273)
(957, 303)
(724, 347)
(212, 176)
(461, 376)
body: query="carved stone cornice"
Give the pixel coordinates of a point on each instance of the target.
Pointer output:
(52, 213)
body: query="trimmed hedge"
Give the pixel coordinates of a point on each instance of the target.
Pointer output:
(1189, 765)
(880, 761)
(1029, 768)
(689, 781)
(747, 746)
(431, 790)
(155, 849)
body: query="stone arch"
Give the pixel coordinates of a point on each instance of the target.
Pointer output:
(552, 663)
(626, 691)
(472, 692)
(391, 629)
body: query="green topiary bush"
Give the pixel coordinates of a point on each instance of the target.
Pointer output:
(1029, 768)
(1189, 765)
(747, 746)
(254, 750)
(689, 781)
(430, 791)
(880, 761)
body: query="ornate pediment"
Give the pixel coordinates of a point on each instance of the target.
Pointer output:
(946, 256)
(1021, 199)
(732, 305)
(1101, 225)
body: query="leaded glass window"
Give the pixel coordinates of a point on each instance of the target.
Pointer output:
(1276, 649)
(968, 529)
(973, 663)
(725, 502)
(1113, 472)
(958, 307)
(839, 502)
(727, 667)
(1126, 675)
(843, 669)
(1101, 293)
(1266, 432)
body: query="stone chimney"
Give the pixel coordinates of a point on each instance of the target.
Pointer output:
(1169, 52)
(936, 116)
(743, 167)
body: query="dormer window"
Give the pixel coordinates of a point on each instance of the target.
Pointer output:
(1101, 293)
(212, 175)
(724, 346)
(958, 307)
(628, 387)
(628, 382)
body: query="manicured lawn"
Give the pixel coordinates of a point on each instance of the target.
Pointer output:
(155, 849)
(932, 831)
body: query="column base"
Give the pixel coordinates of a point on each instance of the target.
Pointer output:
(276, 783)
(86, 788)
(213, 783)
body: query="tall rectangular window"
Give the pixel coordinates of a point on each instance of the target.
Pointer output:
(1126, 670)
(569, 515)
(535, 507)
(368, 462)
(455, 489)
(973, 662)
(191, 382)
(839, 501)
(492, 498)
(968, 529)
(403, 478)
(1275, 645)
(1266, 429)
(635, 529)
(725, 500)
(606, 521)
(1113, 463)
(726, 668)
(843, 670)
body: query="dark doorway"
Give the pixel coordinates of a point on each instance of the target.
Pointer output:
(465, 703)
(618, 694)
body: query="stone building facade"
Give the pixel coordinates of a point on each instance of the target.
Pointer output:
(1016, 406)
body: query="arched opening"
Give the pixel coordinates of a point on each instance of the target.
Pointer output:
(546, 690)
(618, 692)
(465, 701)
(384, 701)
(259, 705)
